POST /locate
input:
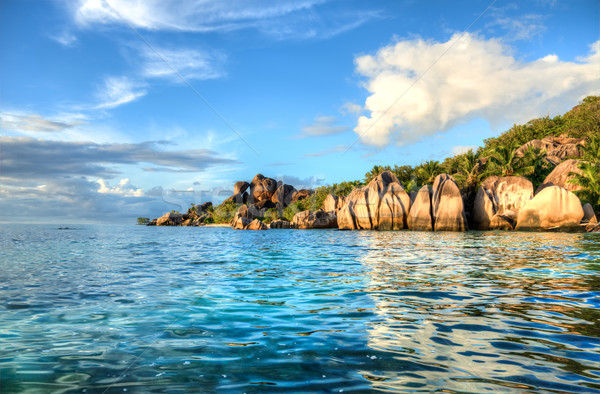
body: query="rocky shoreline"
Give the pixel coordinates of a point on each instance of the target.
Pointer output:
(501, 203)
(508, 203)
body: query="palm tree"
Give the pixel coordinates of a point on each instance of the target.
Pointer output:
(429, 170)
(468, 164)
(589, 180)
(505, 162)
(591, 151)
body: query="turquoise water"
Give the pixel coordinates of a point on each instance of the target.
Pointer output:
(151, 309)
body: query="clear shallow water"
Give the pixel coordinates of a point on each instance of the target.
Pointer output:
(151, 309)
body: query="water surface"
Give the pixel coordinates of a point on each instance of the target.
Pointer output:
(159, 309)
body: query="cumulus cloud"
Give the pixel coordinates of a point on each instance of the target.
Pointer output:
(475, 78)
(123, 188)
(117, 91)
(189, 63)
(280, 19)
(323, 125)
(35, 122)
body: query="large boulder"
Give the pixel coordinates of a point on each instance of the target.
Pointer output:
(242, 212)
(381, 205)
(557, 148)
(240, 187)
(419, 217)
(256, 225)
(243, 223)
(447, 205)
(589, 217)
(280, 224)
(499, 196)
(561, 175)
(283, 195)
(301, 195)
(554, 208)
(314, 220)
(170, 219)
(239, 198)
(333, 203)
(262, 188)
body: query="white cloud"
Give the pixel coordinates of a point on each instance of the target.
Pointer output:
(189, 63)
(323, 125)
(522, 27)
(118, 91)
(279, 19)
(351, 108)
(475, 78)
(123, 188)
(65, 38)
(35, 122)
(459, 150)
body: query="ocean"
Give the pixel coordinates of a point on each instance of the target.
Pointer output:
(112, 309)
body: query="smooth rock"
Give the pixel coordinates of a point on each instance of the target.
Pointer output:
(554, 208)
(283, 195)
(588, 214)
(381, 205)
(240, 187)
(170, 219)
(420, 217)
(301, 195)
(561, 175)
(256, 225)
(497, 196)
(262, 188)
(447, 205)
(333, 203)
(502, 222)
(280, 224)
(314, 220)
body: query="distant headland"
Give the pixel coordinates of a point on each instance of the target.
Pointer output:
(540, 176)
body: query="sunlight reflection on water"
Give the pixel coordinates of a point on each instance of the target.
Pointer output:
(108, 308)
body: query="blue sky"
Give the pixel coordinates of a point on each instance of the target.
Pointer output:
(115, 109)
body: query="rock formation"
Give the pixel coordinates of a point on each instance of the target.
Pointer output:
(333, 203)
(280, 224)
(589, 217)
(447, 205)
(170, 219)
(262, 188)
(554, 208)
(557, 148)
(561, 175)
(381, 205)
(301, 195)
(500, 196)
(420, 217)
(314, 220)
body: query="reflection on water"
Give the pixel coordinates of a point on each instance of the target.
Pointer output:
(113, 309)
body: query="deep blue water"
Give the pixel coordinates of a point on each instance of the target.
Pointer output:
(160, 309)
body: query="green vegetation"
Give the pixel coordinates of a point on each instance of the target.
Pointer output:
(224, 212)
(589, 179)
(141, 220)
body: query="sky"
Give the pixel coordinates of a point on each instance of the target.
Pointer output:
(115, 109)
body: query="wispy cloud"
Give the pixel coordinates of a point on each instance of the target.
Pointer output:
(35, 122)
(65, 38)
(282, 19)
(459, 149)
(189, 63)
(496, 87)
(117, 91)
(323, 125)
(516, 28)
